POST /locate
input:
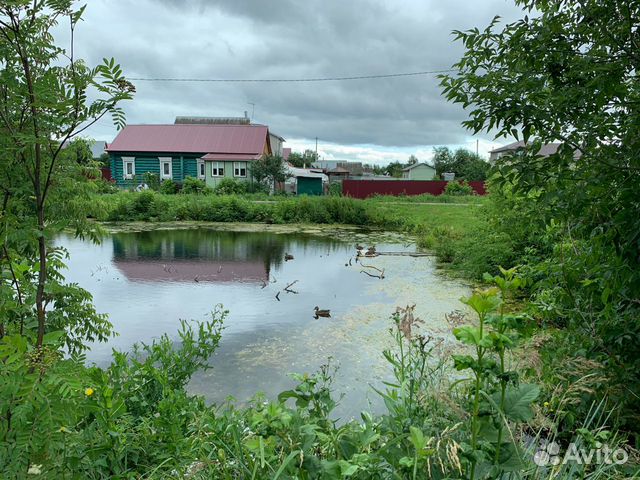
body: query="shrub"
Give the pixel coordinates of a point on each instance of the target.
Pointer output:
(229, 186)
(335, 189)
(168, 187)
(152, 180)
(256, 187)
(104, 186)
(458, 188)
(195, 185)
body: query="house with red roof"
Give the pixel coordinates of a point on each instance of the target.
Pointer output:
(210, 152)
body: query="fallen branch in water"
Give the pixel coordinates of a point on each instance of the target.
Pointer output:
(288, 287)
(381, 276)
(371, 266)
(278, 295)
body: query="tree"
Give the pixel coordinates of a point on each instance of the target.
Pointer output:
(296, 159)
(269, 169)
(394, 169)
(567, 72)
(79, 150)
(44, 105)
(412, 160)
(465, 164)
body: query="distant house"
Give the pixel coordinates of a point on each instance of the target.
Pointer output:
(419, 171)
(209, 151)
(352, 168)
(337, 174)
(276, 144)
(546, 150)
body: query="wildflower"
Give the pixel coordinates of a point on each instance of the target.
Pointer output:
(88, 391)
(546, 404)
(34, 470)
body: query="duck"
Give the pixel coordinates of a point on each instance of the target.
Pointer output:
(287, 257)
(321, 313)
(359, 247)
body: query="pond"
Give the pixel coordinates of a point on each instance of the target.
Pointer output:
(147, 280)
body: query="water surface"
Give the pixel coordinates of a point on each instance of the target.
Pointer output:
(147, 281)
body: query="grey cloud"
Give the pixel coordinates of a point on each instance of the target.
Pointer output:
(292, 39)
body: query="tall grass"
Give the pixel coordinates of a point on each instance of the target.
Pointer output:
(150, 206)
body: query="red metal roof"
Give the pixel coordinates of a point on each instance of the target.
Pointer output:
(234, 139)
(231, 156)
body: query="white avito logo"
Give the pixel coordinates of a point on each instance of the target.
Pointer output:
(548, 453)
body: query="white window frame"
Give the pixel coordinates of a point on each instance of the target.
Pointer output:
(237, 167)
(202, 169)
(215, 169)
(166, 161)
(128, 161)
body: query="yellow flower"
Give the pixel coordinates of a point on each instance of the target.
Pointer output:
(546, 404)
(88, 391)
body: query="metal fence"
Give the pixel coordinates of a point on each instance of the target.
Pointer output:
(369, 188)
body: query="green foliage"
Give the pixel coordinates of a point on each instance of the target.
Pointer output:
(103, 186)
(457, 188)
(335, 189)
(534, 73)
(230, 186)
(195, 185)
(302, 160)
(45, 186)
(498, 399)
(465, 164)
(79, 150)
(269, 169)
(92, 423)
(152, 180)
(168, 187)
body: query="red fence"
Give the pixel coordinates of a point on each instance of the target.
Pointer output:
(368, 188)
(106, 173)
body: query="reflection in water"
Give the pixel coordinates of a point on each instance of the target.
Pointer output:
(147, 281)
(199, 255)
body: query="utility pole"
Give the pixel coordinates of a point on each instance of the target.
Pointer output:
(477, 147)
(316, 149)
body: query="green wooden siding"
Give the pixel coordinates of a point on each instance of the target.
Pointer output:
(228, 173)
(309, 186)
(181, 166)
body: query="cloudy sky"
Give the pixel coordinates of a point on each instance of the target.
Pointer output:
(369, 120)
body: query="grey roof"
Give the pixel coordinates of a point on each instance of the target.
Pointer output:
(415, 165)
(98, 148)
(212, 121)
(545, 150)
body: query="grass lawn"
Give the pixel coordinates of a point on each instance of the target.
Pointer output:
(460, 217)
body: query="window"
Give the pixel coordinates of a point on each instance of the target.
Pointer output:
(128, 167)
(165, 168)
(239, 169)
(201, 169)
(217, 169)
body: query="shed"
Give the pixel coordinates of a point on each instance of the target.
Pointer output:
(303, 181)
(309, 186)
(419, 171)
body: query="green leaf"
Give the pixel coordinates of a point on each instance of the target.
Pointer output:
(468, 335)
(517, 402)
(53, 338)
(417, 438)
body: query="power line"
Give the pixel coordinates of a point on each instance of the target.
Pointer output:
(290, 80)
